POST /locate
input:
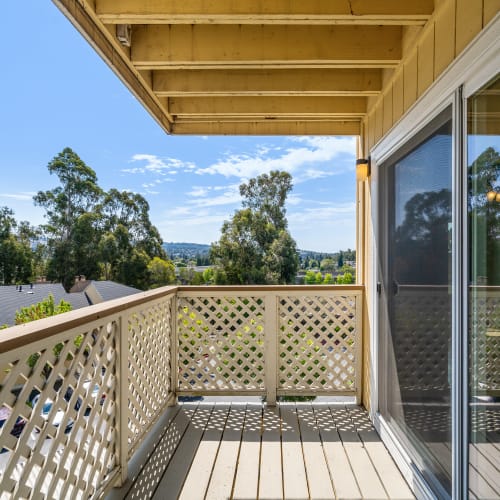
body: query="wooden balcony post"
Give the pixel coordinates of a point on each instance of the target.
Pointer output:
(122, 403)
(174, 355)
(358, 311)
(271, 346)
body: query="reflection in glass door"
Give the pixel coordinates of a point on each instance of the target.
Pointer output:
(483, 160)
(416, 316)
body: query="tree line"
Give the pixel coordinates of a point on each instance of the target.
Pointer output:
(88, 231)
(109, 235)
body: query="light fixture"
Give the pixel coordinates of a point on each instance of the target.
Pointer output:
(362, 169)
(493, 196)
(124, 34)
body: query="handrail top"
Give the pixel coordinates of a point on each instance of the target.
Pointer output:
(20, 335)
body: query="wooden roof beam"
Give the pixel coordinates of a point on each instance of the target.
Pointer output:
(402, 12)
(276, 82)
(267, 127)
(204, 46)
(267, 106)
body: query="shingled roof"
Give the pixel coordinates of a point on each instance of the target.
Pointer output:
(13, 297)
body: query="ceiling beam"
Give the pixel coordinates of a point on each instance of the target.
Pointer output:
(402, 12)
(276, 82)
(267, 106)
(266, 127)
(204, 46)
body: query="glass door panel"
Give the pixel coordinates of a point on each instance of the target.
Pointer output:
(416, 273)
(483, 160)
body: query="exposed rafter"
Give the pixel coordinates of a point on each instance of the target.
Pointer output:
(276, 82)
(311, 12)
(251, 66)
(224, 46)
(268, 106)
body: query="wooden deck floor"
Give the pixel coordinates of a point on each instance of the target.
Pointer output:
(244, 451)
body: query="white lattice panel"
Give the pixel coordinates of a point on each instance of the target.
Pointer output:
(317, 343)
(221, 343)
(150, 330)
(59, 415)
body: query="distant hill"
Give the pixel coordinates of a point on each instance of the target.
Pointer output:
(192, 250)
(185, 250)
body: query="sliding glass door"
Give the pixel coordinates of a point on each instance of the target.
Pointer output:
(416, 325)
(483, 202)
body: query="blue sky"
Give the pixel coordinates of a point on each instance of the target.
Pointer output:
(56, 92)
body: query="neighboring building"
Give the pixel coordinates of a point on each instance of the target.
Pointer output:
(84, 293)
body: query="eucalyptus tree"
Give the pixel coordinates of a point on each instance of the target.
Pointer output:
(255, 246)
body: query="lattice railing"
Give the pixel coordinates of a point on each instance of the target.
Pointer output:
(149, 365)
(319, 343)
(58, 396)
(78, 394)
(80, 391)
(271, 341)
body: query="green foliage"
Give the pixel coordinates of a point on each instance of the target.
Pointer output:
(208, 276)
(255, 246)
(318, 278)
(16, 256)
(328, 280)
(340, 261)
(345, 279)
(97, 233)
(328, 265)
(44, 309)
(161, 272)
(310, 278)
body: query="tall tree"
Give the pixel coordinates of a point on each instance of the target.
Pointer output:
(16, 255)
(255, 246)
(96, 233)
(72, 224)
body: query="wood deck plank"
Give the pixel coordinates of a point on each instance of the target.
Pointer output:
(293, 451)
(246, 481)
(198, 478)
(173, 479)
(224, 470)
(270, 474)
(318, 475)
(366, 476)
(344, 481)
(151, 473)
(392, 480)
(294, 473)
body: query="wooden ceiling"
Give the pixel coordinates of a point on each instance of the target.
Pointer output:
(251, 67)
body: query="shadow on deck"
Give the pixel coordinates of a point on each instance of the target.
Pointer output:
(246, 451)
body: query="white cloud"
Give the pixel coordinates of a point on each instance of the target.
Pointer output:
(312, 150)
(23, 196)
(326, 212)
(157, 165)
(198, 191)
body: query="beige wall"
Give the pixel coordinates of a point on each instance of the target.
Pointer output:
(427, 52)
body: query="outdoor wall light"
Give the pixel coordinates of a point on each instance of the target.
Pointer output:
(362, 169)
(493, 196)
